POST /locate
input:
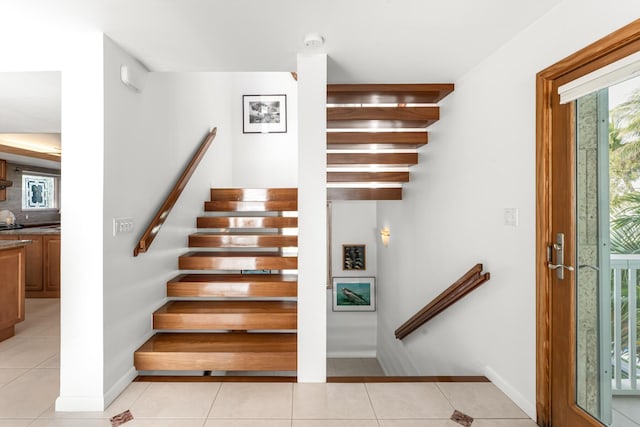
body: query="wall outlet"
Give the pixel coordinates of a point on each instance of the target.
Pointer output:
(511, 217)
(123, 225)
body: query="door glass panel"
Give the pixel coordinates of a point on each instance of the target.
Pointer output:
(591, 252)
(608, 253)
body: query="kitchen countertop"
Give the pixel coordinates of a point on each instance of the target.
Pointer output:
(49, 230)
(10, 244)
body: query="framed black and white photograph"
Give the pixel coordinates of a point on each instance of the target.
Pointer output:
(264, 113)
(354, 294)
(353, 257)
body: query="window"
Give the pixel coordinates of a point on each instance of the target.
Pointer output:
(39, 192)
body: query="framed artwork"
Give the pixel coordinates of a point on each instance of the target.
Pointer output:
(264, 113)
(354, 293)
(353, 257)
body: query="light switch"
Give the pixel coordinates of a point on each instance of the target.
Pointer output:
(511, 217)
(123, 225)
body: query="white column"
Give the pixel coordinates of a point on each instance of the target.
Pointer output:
(312, 197)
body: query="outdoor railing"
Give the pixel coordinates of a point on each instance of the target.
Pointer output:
(624, 297)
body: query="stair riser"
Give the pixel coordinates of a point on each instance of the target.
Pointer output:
(277, 241)
(239, 263)
(388, 93)
(241, 321)
(275, 206)
(227, 361)
(248, 222)
(364, 193)
(367, 176)
(338, 140)
(254, 194)
(400, 159)
(233, 290)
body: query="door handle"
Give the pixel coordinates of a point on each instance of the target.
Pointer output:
(559, 266)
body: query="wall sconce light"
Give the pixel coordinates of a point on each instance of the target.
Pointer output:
(384, 235)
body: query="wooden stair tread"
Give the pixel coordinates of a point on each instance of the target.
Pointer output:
(381, 117)
(219, 351)
(235, 278)
(247, 222)
(376, 140)
(367, 176)
(236, 254)
(237, 261)
(209, 307)
(233, 285)
(396, 159)
(226, 315)
(387, 93)
(250, 206)
(241, 240)
(254, 194)
(221, 342)
(364, 193)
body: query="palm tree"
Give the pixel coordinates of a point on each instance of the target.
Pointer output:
(624, 147)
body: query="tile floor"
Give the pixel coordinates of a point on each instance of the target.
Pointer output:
(354, 367)
(29, 371)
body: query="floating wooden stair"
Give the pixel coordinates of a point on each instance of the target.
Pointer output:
(226, 315)
(218, 352)
(363, 135)
(225, 318)
(233, 285)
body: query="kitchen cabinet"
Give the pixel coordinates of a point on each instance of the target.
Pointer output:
(34, 263)
(51, 264)
(42, 263)
(12, 281)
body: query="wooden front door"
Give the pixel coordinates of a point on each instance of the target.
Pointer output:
(557, 397)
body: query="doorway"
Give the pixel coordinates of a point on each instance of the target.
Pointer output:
(579, 283)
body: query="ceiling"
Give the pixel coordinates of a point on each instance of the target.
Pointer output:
(372, 41)
(30, 118)
(367, 41)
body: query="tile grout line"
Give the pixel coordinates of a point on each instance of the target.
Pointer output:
(292, 402)
(134, 400)
(215, 397)
(375, 414)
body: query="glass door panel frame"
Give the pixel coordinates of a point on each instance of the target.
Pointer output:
(555, 306)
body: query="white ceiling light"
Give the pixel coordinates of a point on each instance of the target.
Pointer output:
(313, 40)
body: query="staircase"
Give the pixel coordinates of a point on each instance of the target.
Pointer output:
(221, 316)
(373, 133)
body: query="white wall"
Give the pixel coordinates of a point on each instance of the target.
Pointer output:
(312, 213)
(149, 138)
(352, 334)
(264, 160)
(480, 160)
(79, 57)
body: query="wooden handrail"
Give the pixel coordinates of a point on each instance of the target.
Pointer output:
(157, 221)
(467, 283)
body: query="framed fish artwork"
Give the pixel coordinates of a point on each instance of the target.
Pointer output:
(354, 294)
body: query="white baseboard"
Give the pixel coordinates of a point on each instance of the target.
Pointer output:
(95, 404)
(352, 354)
(119, 386)
(528, 407)
(79, 404)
